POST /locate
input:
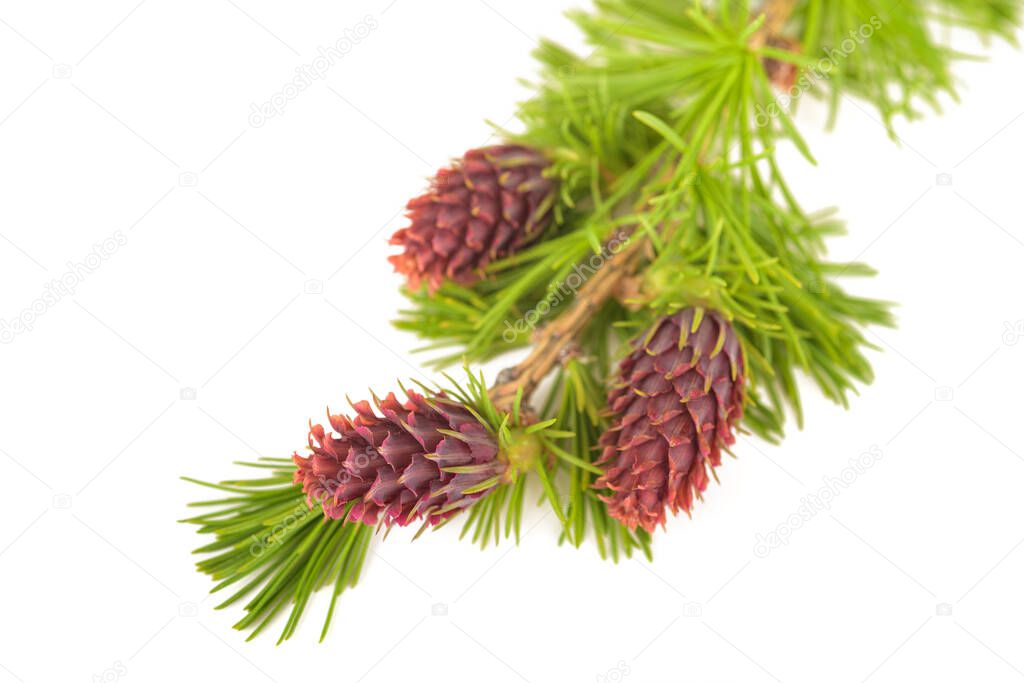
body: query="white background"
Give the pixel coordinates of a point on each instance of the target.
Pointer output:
(132, 117)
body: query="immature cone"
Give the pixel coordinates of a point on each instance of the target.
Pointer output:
(486, 206)
(676, 400)
(394, 467)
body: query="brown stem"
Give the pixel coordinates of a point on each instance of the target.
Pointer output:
(557, 338)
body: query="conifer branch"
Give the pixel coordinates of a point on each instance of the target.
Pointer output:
(655, 151)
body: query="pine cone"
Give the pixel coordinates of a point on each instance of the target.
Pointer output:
(677, 397)
(393, 466)
(486, 206)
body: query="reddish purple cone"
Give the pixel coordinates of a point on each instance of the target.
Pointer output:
(392, 468)
(677, 398)
(486, 206)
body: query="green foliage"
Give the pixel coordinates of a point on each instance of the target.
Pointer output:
(267, 536)
(490, 318)
(667, 125)
(985, 17)
(689, 66)
(885, 52)
(759, 264)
